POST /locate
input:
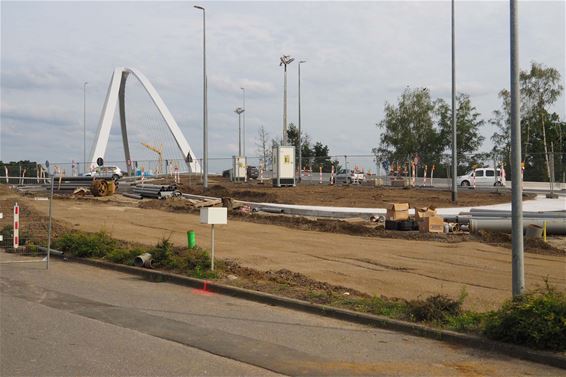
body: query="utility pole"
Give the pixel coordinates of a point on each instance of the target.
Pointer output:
(244, 139)
(516, 187)
(239, 111)
(204, 102)
(454, 130)
(84, 127)
(285, 60)
(300, 133)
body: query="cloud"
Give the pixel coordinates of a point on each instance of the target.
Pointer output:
(38, 114)
(230, 85)
(29, 78)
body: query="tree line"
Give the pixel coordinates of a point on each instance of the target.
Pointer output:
(418, 125)
(314, 155)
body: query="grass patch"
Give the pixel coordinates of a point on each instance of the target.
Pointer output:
(536, 319)
(194, 262)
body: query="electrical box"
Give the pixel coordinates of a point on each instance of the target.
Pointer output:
(214, 215)
(239, 169)
(283, 166)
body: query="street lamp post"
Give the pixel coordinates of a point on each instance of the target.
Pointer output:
(244, 126)
(518, 274)
(285, 60)
(84, 127)
(239, 111)
(300, 134)
(205, 101)
(454, 130)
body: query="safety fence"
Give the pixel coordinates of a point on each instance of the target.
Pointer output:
(24, 232)
(420, 171)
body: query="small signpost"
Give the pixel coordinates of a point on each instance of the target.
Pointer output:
(213, 216)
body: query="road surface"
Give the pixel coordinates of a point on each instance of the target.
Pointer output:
(80, 320)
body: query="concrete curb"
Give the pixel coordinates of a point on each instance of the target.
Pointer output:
(472, 341)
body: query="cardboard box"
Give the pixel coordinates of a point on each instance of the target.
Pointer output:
(397, 211)
(421, 213)
(432, 224)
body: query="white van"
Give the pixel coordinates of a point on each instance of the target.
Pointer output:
(483, 177)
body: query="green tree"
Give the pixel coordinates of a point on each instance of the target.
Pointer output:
(501, 138)
(293, 139)
(408, 128)
(468, 124)
(541, 87)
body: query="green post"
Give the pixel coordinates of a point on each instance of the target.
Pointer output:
(191, 239)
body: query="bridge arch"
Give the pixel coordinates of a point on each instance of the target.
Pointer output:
(115, 95)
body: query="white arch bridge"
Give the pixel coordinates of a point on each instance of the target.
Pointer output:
(115, 95)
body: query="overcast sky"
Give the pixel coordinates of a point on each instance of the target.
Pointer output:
(360, 54)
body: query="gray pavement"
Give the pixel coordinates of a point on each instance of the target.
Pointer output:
(80, 320)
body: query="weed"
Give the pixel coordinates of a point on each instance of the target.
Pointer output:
(536, 319)
(438, 308)
(85, 244)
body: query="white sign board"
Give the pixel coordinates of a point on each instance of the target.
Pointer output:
(1, 215)
(214, 215)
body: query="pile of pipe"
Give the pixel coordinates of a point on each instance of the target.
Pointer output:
(70, 184)
(500, 221)
(156, 191)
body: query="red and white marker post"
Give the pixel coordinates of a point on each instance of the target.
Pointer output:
(432, 174)
(474, 178)
(16, 226)
(321, 174)
(424, 175)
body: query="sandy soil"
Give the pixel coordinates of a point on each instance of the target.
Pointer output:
(378, 266)
(341, 195)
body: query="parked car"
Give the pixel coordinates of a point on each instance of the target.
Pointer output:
(483, 177)
(350, 176)
(106, 171)
(253, 172)
(227, 173)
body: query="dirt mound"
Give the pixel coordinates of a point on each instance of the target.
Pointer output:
(251, 278)
(345, 227)
(531, 245)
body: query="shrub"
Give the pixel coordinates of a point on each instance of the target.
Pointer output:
(536, 319)
(162, 252)
(438, 308)
(198, 258)
(86, 244)
(124, 255)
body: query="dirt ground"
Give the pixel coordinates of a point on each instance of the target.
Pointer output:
(378, 266)
(340, 195)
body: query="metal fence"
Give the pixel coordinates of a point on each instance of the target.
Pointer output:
(24, 233)
(369, 164)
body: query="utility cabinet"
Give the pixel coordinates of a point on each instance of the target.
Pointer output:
(283, 166)
(239, 169)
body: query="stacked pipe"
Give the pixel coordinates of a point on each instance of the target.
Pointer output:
(155, 191)
(70, 183)
(500, 221)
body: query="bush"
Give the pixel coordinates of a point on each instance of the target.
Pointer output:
(162, 252)
(536, 319)
(198, 258)
(436, 308)
(124, 255)
(81, 244)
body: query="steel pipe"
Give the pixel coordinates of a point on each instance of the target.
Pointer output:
(144, 260)
(553, 226)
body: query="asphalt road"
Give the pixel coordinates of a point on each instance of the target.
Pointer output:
(80, 320)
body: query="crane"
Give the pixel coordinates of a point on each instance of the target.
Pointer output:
(159, 152)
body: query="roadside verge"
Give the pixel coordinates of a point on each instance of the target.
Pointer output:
(472, 341)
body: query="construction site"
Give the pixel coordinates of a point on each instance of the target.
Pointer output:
(390, 244)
